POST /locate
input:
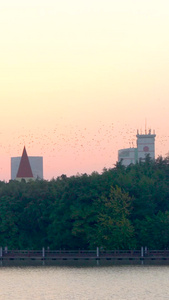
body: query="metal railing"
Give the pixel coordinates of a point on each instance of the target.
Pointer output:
(99, 253)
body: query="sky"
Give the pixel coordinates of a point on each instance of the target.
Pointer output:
(78, 78)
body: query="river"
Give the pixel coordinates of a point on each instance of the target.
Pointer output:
(83, 281)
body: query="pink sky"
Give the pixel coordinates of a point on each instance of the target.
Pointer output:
(79, 79)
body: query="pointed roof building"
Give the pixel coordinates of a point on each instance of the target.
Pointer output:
(24, 170)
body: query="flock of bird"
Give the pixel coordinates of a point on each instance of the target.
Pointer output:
(71, 149)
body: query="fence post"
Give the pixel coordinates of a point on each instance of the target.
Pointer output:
(43, 252)
(0, 251)
(142, 252)
(97, 251)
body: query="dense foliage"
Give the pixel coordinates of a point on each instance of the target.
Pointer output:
(122, 208)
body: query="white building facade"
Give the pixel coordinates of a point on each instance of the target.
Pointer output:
(145, 146)
(128, 156)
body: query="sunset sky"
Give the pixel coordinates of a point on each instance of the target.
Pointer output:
(78, 78)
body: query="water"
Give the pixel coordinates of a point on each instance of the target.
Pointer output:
(84, 281)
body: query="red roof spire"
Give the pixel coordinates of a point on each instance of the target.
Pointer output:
(24, 170)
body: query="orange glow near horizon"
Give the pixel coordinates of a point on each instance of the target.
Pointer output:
(79, 79)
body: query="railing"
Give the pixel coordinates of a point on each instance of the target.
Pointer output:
(156, 253)
(82, 254)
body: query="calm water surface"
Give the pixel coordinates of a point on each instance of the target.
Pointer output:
(84, 281)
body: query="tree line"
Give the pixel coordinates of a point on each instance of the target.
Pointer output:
(121, 208)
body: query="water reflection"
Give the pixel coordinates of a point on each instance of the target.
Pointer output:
(81, 263)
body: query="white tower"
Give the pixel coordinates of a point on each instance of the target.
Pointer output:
(146, 145)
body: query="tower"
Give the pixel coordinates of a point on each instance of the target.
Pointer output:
(36, 164)
(24, 170)
(146, 144)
